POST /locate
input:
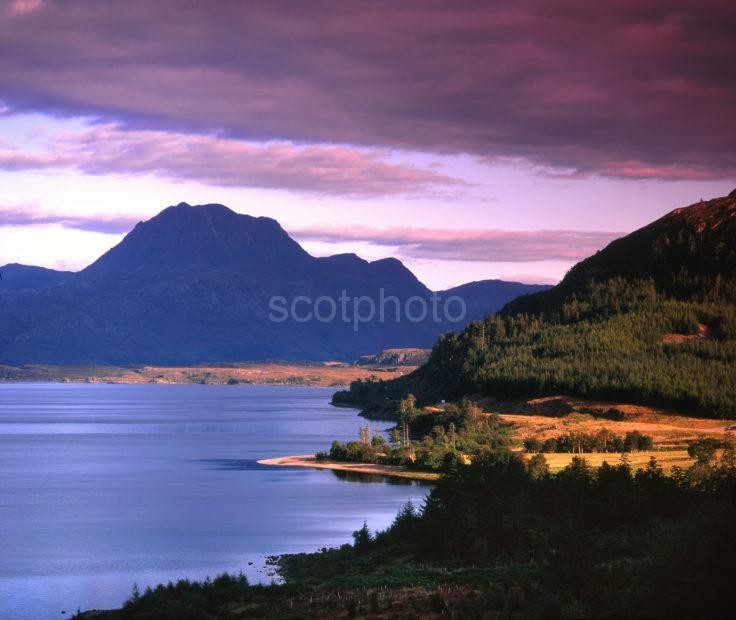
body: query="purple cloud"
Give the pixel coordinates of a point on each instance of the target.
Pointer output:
(470, 245)
(216, 161)
(437, 244)
(627, 89)
(29, 215)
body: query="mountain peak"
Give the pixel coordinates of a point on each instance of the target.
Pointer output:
(200, 237)
(704, 214)
(195, 284)
(393, 270)
(697, 239)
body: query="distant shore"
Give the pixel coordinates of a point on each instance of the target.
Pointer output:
(309, 460)
(322, 374)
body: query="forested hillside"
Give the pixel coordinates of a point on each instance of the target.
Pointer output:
(649, 319)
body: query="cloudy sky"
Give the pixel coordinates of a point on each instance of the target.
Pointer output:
(470, 139)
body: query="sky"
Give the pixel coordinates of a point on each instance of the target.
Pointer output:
(471, 140)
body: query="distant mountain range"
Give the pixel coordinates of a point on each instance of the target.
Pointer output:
(197, 284)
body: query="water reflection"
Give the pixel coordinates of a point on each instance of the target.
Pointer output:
(107, 485)
(354, 476)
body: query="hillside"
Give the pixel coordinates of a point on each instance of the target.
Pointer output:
(195, 284)
(650, 319)
(683, 253)
(17, 277)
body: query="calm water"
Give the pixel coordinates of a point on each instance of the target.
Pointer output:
(106, 485)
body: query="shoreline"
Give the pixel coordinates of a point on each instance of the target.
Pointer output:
(309, 460)
(336, 375)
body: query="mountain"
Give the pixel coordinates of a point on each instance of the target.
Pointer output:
(209, 236)
(650, 319)
(477, 294)
(17, 277)
(202, 283)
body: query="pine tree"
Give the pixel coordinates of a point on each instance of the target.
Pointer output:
(452, 435)
(407, 411)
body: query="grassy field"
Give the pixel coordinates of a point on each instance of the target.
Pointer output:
(553, 416)
(556, 415)
(638, 460)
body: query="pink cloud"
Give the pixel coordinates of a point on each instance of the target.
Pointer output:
(333, 170)
(643, 170)
(563, 84)
(32, 215)
(469, 245)
(473, 245)
(24, 7)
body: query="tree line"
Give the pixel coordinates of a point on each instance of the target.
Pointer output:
(435, 440)
(604, 342)
(602, 441)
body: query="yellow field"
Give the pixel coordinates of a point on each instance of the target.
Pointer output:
(638, 460)
(552, 416)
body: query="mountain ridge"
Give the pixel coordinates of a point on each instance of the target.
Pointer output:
(693, 238)
(16, 276)
(194, 284)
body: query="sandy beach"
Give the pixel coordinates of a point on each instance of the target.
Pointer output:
(309, 460)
